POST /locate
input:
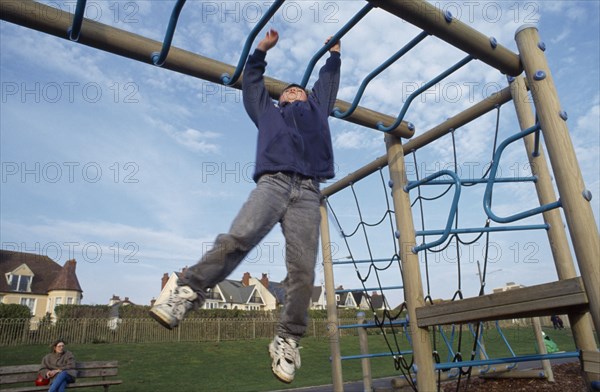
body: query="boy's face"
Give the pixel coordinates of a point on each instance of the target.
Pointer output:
(292, 94)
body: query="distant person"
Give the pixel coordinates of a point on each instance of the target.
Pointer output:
(294, 154)
(560, 322)
(58, 367)
(557, 322)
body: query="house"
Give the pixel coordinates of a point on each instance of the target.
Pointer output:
(318, 300)
(375, 301)
(38, 282)
(246, 294)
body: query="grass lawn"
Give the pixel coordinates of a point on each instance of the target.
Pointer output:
(245, 365)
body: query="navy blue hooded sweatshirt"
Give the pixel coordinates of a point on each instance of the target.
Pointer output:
(293, 137)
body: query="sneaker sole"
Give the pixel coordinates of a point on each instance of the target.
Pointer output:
(161, 320)
(278, 376)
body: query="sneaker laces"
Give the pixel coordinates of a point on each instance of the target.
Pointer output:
(289, 350)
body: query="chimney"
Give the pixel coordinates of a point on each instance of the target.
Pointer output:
(164, 280)
(265, 280)
(246, 279)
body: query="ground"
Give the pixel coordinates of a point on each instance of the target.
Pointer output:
(567, 376)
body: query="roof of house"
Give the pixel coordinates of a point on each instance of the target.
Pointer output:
(278, 291)
(235, 292)
(316, 293)
(48, 275)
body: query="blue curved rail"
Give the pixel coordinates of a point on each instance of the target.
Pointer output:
(336, 111)
(228, 80)
(486, 229)
(158, 59)
(487, 196)
(75, 28)
(453, 207)
(337, 36)
(420, 90)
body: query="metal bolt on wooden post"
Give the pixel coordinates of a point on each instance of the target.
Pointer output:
(569, 181)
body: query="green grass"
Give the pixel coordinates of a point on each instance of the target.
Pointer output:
(245, 365)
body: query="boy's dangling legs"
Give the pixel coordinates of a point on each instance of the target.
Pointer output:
(263, 209)
(301, 230)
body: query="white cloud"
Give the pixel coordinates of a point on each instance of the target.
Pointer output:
(197, 140)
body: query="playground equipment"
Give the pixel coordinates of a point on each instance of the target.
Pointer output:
(579, 297)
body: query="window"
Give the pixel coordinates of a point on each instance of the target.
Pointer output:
(21, 283)
(256, 298)
(70, 301)
(30, 303)
(57, 302)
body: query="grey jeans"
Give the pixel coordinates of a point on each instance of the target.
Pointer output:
(291, 200)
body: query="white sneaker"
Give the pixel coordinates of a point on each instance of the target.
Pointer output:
(170, 313)
(286, 358)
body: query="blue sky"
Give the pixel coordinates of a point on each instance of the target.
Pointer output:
(133, 170)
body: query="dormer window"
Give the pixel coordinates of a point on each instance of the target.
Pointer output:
(20, 283)
(19, 279)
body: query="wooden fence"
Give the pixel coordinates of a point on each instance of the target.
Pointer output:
(80, 331)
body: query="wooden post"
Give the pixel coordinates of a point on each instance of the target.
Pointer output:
(332, 319)
(413, 286)
(569, 181)
(581, 324)
(539, 338)
(364, 350)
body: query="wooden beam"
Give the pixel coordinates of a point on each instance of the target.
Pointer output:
(541, 300)
(433, 20)
(56, 22)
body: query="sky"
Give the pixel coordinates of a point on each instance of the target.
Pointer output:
(133, 170)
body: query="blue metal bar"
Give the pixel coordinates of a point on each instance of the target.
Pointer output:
(420, 90)
(536, 144)
(376, 355)
(487, 197)
(361, 261)
(369, 289)
(374, 325)
(337, 113)
(482, 180)
(453, 207)
(159, 58)
(75, 28)
(228, 80)
(448, 344)
(485, 229)
(351, 23)
(506, 343)
(495, 361)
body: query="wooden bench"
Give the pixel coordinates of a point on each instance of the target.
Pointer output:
(89, 374)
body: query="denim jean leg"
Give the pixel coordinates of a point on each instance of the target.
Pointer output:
(59, 383)
(263, 209)
(300, 227)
